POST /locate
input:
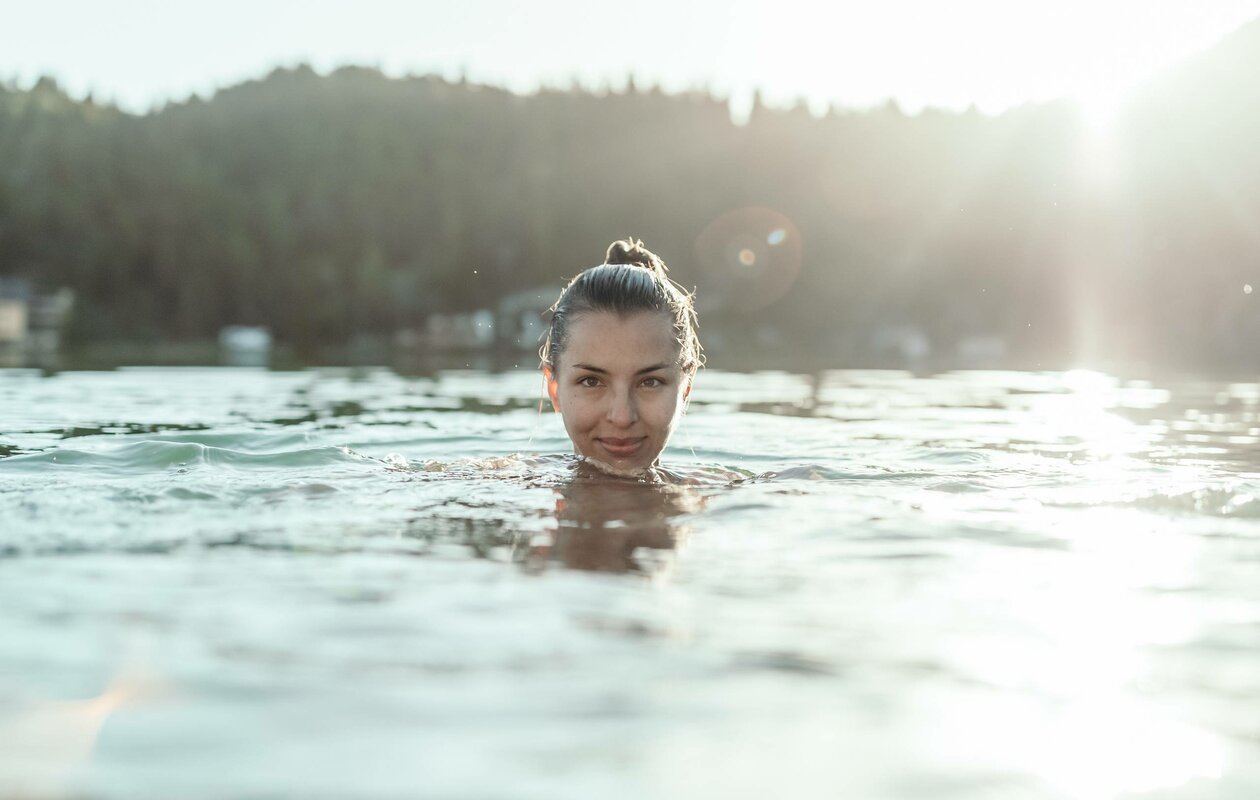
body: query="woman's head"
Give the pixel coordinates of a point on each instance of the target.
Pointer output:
(620, 356)
(631, 279)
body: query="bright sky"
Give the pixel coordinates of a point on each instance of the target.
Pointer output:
(994, 53)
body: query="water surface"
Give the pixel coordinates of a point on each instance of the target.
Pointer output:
(333, 583)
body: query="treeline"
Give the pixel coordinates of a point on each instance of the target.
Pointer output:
(333, 206)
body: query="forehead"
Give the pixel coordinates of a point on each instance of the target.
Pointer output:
(614, 341)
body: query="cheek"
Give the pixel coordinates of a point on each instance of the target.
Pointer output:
(574, 409)
(666, 410)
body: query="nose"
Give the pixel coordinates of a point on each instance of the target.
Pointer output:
(622, 410)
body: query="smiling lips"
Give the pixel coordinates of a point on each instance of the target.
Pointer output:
(622, 448)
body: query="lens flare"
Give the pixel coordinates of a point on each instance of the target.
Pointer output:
(751, 255)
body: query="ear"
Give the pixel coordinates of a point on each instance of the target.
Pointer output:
(687, 388)
(553, 387)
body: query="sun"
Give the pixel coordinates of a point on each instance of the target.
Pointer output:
(1101, 106)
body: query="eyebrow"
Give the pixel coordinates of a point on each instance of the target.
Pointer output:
(602, 371)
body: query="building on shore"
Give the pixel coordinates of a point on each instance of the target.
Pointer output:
(31, 322)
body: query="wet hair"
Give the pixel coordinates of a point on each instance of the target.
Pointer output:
(632, 279)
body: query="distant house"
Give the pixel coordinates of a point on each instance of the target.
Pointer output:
(30, 322)
(473, 330)
(900, 344)
(521, 315)
(516, 323)
(12, 322)
(15, 298)
(245, 346)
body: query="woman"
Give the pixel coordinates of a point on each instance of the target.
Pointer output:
(619, 359)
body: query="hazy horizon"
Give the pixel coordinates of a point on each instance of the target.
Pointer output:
(140, 55)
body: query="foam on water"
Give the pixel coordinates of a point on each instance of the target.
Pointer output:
(334, 583)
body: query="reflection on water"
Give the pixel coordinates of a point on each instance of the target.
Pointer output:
(48, 744)
(610, 524)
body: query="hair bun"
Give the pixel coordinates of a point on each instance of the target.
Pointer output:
(631, 251)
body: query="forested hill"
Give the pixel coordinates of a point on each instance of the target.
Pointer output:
(326, 206)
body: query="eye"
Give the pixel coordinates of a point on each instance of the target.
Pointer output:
(589, 381)
(653, 382)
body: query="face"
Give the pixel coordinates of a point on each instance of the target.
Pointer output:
(619, 387)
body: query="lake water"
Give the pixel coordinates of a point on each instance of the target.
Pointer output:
(349, 583)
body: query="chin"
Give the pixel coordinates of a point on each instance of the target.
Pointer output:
(635, 466)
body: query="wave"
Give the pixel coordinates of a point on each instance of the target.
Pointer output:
(151, 456)
(1213, 502)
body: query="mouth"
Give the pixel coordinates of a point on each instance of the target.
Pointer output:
(622, 448)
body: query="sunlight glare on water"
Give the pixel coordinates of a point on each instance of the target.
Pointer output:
(853, 583)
